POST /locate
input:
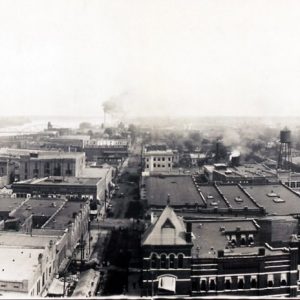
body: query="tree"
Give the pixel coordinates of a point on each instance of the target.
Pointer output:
(85, 125)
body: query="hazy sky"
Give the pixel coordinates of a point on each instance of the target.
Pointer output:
(158, 57)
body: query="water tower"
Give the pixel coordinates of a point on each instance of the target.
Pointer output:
(285, 151)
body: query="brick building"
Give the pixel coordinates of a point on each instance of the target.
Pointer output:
(215, 258)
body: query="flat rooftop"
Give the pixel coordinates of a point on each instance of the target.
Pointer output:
(236, 197)
(181, 189)
(18, 264)
(66, 214)
(9, 204)
(41, 154)
(38, 207)
(94, 172)
(275, 198)
(21, 240)
(208, 238)
(53, 180)
(212, 197)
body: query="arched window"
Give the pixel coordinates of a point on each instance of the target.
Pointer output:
(180, 261)
(212, 284)
(172, 261)
(243, 240)
(163, 261)
(153, 261)
(203, 284)
(270, 280)
(283, 280)
(240, 283)
(253, 282)
(227, 283)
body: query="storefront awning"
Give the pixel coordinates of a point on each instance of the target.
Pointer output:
(56, 288)
(167, 283)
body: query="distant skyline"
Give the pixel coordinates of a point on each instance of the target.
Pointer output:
(182, 58)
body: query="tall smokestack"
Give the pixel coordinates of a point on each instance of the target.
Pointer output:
(217, 156)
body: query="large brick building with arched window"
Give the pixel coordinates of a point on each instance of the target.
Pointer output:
(215, 257)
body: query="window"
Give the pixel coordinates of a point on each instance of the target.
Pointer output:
(147, 166)
(172, 261)
(154, 165)
(154, 158)
(163, 159)
(158, 165)
(158, 158)
(283, 279)
(240, 282)
(243, 239)
(163, 261)
(169, 158)
(43, 279)
(180, 261)
(163, 166)
(227, 283)
(50, 271)
(153, 261)
(270, 280)
(253, 282)
(202, 284)
(250, 238)
(212, 283)
(169, 165)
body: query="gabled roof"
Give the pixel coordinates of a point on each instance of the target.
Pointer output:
(169, 229)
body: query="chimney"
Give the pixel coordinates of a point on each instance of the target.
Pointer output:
(221, 253)
(189, 232)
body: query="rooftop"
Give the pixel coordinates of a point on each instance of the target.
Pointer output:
(9, 204)
(38, 207)
(159, 152)
(212, 197)
(169, 229)
(18, 239)
(276, 198)
(17, 264)
(65, 215)
(41, 154)
(181, 189)
(58, 180)
(236, 197)
(209, 239)
(94, 172)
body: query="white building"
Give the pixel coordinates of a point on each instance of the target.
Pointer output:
(27, 264)
(158, 161)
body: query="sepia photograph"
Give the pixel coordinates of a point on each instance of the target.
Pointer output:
(149, 149)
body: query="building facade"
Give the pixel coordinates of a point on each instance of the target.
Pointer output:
(212, 258)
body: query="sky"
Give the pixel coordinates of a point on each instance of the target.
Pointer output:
(158, 57)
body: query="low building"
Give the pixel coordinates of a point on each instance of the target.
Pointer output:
(27, 264)
(191, 198)
(113, 152)
(210, 258)
(81, 188)
(244, 174)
